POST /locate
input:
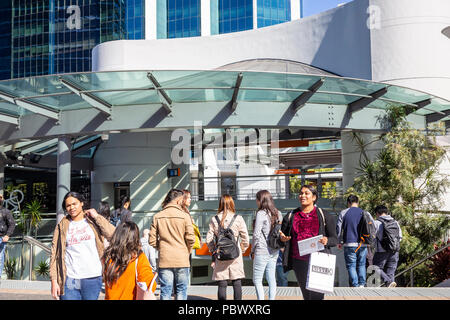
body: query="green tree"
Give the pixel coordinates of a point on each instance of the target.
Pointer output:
(405, 177)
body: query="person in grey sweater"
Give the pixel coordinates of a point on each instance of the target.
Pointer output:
(264, 257)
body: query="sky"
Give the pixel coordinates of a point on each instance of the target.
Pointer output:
(311, 7)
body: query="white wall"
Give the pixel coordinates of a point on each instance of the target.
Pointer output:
(337, 40)
(408, 47)
(139, 158)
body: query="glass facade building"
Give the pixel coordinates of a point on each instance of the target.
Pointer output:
(39, 37)
(56, 36)
(183, 18)
(272, 12)
(135, 19)
(235, 15)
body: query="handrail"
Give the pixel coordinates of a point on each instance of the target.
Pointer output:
(33, 241)
(420, 262)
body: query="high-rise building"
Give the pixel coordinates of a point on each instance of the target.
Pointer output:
(39, 37)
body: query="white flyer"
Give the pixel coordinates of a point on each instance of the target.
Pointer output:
(310, 245)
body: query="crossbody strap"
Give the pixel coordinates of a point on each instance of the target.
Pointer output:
(323, 217)
(155, 275)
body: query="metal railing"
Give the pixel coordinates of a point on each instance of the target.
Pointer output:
(33, 242)
(411, 269)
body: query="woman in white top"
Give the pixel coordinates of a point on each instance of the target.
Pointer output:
(264, 257)
(77, 247)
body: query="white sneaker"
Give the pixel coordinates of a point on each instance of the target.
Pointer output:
(361, 286)
(392, 285)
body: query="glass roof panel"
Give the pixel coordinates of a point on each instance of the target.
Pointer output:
(11, 109)
(34, 86)
(132, 97)
(404, 95)
(195, 79)
(267, 95)
(331, 98)
(277, 80)
(191, 95)
(63, 102)
(350, 86)
(110, 80)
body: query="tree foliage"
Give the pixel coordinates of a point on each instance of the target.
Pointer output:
(405, 177)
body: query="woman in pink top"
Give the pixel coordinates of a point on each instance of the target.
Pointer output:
(302, 223)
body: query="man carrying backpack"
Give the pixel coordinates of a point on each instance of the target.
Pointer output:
(389, 235)
(348, 228)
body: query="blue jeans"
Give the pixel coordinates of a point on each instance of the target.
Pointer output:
(268, 264)
(356, 265)
(174, 277)
(2, 255)
(82, 289)
(282, 280)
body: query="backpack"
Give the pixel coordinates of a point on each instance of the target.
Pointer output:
(115, 218)
(273, 240)
(367, 231)
(391, 235)
(226, 245)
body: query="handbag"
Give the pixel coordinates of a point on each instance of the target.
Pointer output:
(142, 292)
(198, 241)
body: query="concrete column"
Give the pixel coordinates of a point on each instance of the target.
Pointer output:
(205, 17)
(351, 155)
(63, 173)
(150, 20)
(295, 9)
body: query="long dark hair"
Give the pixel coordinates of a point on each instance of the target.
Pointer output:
(124, 199)
(226, 204)
(173, 194)
(124, 246)
(186, 193)
(266, 203)
(104, 209)
(75, 195)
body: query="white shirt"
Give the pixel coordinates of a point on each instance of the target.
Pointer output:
(82, 260)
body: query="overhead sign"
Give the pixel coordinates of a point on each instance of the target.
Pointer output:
(289, 143)
(173, 172)
(287, 171)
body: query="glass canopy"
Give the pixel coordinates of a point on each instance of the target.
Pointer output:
(52, 94)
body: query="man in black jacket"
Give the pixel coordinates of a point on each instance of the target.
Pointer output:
(7, 225)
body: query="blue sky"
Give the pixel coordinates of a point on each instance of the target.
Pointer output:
(311, 7)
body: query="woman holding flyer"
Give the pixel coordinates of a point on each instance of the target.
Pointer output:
(302, 223)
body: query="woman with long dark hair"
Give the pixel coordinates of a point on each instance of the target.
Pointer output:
(225, 270)
(123, 213)
(122, 260)
(77, 246)
(302, 223)
(264, 257)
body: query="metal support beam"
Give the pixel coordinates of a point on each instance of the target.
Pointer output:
(31, 106)
(233, 102)
(419, 104)
(301, 100)
(94, 101)
(38, 108)
(363, 102)
(435, 117)
(9, 118)
(163, 96)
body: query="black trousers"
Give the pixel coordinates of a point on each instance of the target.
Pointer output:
(301, 273)
(237, 289)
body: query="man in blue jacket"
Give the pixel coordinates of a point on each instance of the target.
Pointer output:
(354, 253)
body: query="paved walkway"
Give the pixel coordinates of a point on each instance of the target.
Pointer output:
(40, 290)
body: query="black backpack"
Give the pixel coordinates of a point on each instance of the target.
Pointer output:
(367, 231)
(391, 235)
(273, 240)
(227, 247)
